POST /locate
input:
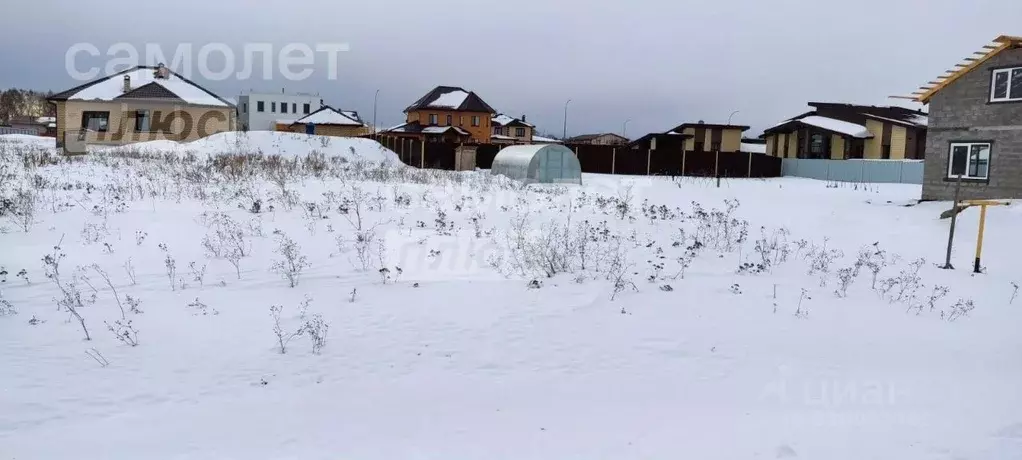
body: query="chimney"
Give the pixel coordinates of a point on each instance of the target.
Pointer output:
(127, 83)
(161, 72)
(523, 117)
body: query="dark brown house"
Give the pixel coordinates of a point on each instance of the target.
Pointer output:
(839, 131)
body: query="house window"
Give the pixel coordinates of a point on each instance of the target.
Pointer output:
(306, 109)
(1006, 85)
(450, 120)
(273, 107)
(971, 160)
(283, 107)
(475, 120)
(294, 107)
(519, 132)
(461, 120)
(143, 121)
(96, 121)
(816, 144)
(433, 118)
(497, 130)
(244, 107)
(260, 106)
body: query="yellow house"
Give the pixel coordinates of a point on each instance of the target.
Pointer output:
(510, 130)
(447, 114)
(328, 121)
(143, 103)
(709, 137)
(846, 131)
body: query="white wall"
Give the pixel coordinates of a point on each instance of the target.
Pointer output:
(249, 115)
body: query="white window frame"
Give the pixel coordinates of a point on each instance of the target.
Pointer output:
(968, 160)
(434, 119)
(475, 120)
(1008, 96)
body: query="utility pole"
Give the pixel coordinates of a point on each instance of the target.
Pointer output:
(564, 136)
(377, 96)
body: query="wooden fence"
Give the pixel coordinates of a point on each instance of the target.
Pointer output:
(603, 159)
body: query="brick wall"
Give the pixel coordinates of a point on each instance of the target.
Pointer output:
(184, 122)
(462, 120)
(962, 112)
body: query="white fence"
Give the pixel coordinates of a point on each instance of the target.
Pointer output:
(877, 171)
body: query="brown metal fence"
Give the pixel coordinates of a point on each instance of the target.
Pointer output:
(603, 159)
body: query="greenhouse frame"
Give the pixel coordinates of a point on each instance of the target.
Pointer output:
(542, 164)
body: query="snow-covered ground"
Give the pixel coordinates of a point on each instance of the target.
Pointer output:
(470, 349)
(287, 145)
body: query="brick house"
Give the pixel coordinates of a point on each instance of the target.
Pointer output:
(510, 130)
(838, 131)
(976, 125)
(143, 103)
(447, 114)
(328, 121)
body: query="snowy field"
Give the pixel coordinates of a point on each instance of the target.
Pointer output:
(337, 307)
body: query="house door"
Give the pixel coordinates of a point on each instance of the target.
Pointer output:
(310, 128)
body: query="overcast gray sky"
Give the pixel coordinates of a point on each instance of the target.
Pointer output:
(659, 63)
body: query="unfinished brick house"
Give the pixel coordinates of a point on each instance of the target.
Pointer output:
(975, 128)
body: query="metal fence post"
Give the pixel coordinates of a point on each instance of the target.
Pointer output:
(613, 161)
(649, 154)
(716, 166)
(954, 220)
(750, 165)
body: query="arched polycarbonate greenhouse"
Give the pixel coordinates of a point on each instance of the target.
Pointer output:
(544, 164)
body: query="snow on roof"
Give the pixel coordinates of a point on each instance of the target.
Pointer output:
(46, 120)
(443, 129)
(921, 120)
(328, 116)
(113, 86)
(398, 128)
(753, 148)
(781, 123)
(451, 100)
(545, 139)
(502, 137)
(910, 121)
(837, 126)
(501, 119)
(284, 121)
